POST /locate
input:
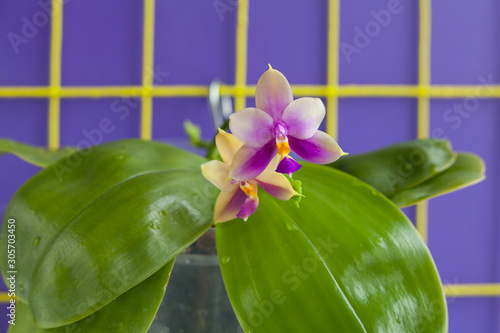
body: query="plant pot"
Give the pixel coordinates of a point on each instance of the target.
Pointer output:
(195, 299)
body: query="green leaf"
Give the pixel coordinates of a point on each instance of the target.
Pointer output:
(193, 131)
(400, 166)
(467, 170)
(38, 156)
(89, 228)
(347, 261)
(297, 186)
(133, 311)
(409, 172)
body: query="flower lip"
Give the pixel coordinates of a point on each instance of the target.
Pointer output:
(288, 165)
(248, 208)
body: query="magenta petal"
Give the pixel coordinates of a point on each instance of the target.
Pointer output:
(303, 117)
(273, 93)
(251, 126)
(287, 165)
(248, 208)
(320, 148)
(249, 162)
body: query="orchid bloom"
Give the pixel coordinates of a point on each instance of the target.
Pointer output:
(277, 125)
(239, 198)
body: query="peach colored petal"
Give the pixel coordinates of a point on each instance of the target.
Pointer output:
(228, 204)
(228, 145)
(217, 173)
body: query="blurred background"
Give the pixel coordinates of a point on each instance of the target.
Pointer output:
(195, 42)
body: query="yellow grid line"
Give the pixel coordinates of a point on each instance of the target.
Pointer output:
(424, 68)
(55, 75)
(147, 70)
(342, 91)
(4, 297)
(241, 55)
(472, 290)
(423, 112)
(332, 102)
(451, 290)
(332, 91)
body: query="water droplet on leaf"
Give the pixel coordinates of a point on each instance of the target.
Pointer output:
(225, 259)
(36, 241)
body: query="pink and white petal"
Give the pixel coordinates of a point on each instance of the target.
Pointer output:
(273, 93)
(227, 145)
(320, 148)
(217, 173)
(252, 126)
(249, 162)
(278, 186)
(228, 205)
(303, 117)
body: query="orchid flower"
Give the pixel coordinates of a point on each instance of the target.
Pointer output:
(239, 198)
(277, 125)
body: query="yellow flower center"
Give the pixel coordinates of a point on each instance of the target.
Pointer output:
(249, 189)
(283, 147)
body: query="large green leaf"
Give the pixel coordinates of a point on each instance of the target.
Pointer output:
(400, 166)
(133, 311)
(89, 228)
(467, 170)
(347, 261)
(39, 156)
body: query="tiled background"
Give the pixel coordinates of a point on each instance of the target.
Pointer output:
(102, 45)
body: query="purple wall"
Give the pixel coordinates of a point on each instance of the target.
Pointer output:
(194, 44)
